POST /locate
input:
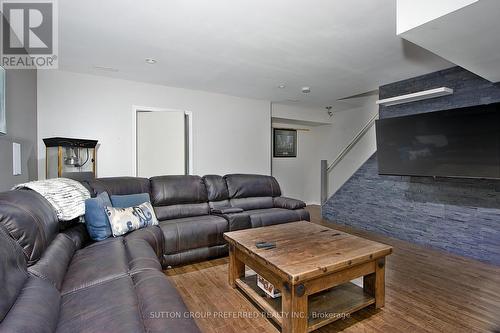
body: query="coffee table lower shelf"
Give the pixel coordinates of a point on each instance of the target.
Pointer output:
(323, 308)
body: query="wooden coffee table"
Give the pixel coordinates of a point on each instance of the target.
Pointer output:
(312, 265)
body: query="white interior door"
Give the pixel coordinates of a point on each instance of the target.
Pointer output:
(161, 143)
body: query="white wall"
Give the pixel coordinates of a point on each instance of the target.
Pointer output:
(346, 124)
(300, 177)
(301, 113)
(21, 116)
(412, 13)
(230, 134)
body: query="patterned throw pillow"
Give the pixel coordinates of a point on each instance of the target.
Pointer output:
(124, 220)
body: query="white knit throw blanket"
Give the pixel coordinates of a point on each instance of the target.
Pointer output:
(67, 196)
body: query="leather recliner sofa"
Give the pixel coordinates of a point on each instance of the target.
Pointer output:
(55, 280)
(194, 212)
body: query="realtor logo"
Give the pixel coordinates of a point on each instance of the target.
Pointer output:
(29, 34)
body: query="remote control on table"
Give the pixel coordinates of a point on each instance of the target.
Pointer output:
(264, 245)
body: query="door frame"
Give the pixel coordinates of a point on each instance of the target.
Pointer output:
(188, 114)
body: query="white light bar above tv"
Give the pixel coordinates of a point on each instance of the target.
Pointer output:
(418, 96)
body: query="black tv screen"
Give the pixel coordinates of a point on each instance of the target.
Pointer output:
(461, 142)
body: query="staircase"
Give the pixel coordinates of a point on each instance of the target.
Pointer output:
(327, 169)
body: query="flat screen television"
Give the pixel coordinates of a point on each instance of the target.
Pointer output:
(461, 142)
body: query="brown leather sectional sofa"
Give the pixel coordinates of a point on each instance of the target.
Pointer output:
(54, 280)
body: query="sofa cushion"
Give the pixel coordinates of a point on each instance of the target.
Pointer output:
(36, 308)
(216, 188)
(180, 211)
(129, 200)
(124, 289)
(160, 303)
(110, 305)
(175, 190)
(141, 256)
(27, 303)
(193, 255)
(95, 264)
(244, 186)
(13, 272)
(138, 303)
(119, 185)
(113, 258)
(55, 260)
(252, 203)
(30, 220)
(125, 220)
(152, 235)
(96, 219)
(193, 232)
(265, 217)
(303, 214)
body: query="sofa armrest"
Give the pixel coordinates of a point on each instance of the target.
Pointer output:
(78, 234)
(237, 221)
(288, 203)
(153, 235)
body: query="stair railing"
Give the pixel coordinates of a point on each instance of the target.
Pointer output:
(326, 169)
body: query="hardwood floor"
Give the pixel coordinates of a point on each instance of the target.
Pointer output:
(426, 291)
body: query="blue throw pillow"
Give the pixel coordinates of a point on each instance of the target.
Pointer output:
(130, 200)
(96, 218)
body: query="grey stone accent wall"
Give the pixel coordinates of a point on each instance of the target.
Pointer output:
(461, 216)
(469, 90)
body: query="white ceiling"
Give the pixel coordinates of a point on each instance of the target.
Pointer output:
(244, 47)
(470, 37)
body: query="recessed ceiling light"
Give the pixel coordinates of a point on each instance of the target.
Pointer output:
(150, 61)
(282, 86)
(306, 90)
(106, 68)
